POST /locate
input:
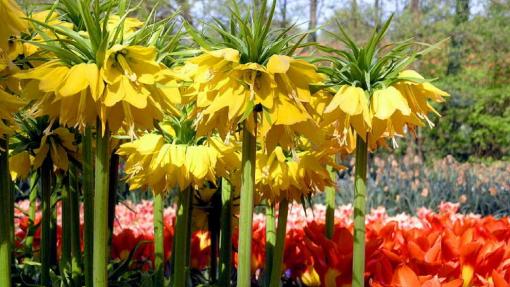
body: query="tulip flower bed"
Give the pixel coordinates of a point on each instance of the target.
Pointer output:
(441, 248)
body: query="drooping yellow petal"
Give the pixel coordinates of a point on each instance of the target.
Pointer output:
(388, 100)
(19, 165)
(77, 79)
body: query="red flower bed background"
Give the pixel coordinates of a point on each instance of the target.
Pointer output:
(442, 248)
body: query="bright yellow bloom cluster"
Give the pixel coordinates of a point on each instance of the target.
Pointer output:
(386, 113)
(12, 26)
(130, 90)
(226, 91)
(153, 162)
(279, 177)
(60, 143)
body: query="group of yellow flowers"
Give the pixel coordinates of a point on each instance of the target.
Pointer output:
(130, 90)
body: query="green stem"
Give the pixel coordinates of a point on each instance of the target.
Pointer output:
(5, 225)
(29, 241)
(101, 231)
(330, 212)
(159, 240)
(270, 242)
(226, 234)
(88, 204)
(249, 150)
(112, 199)
(213, 223)
(53, 224)
(182, 238)
(281, 232)
(330, 206)
(75, 230)
(45, 246)
(65, 259)
(358, 263)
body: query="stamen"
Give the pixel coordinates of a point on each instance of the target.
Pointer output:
(127, 69)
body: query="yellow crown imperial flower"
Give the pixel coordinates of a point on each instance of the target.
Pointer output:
(153, 162)
(226, 90)
(66, 93)
(280, 177)
(58, 145)
(9, 104)
(375, 97)
(138, 90)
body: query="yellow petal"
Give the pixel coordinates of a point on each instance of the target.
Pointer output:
(19, 165)
(388, 100)
(77, 79)
(278, 64)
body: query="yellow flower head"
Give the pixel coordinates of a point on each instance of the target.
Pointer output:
(9, 104)
(375, 97)
(66, 93)
(280, 177)
(138, 89)
(110, 71)
(58, 145)
(153, 162)
(226, 91)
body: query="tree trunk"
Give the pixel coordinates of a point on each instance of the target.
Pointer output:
(377, 14)
(354, 14)
(455, 56)
(283, 24)
(312, 37)
(415, 6)
(185, 7)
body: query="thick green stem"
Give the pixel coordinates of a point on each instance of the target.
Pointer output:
(226, 234)
(53, 224)
(330, 205)
(358, 262)
(101, 196)
(29, 241)
(270, 242)
(65, 259)
(5, 224)
(88, 204)
(75, 230)
(213, 223)
(112, 199)
(330, 212)
(45, 246)
(182, 239)
(159, 240)
(281, 232)
(249, 150)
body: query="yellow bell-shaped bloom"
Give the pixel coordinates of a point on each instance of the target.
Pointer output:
(419, 93)
(347, 114)
(9, 104)
(391, 113)
(130, 91)
(13, 22)
(280, 177)
(58, 144)
(138, 90)
(66, 93)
